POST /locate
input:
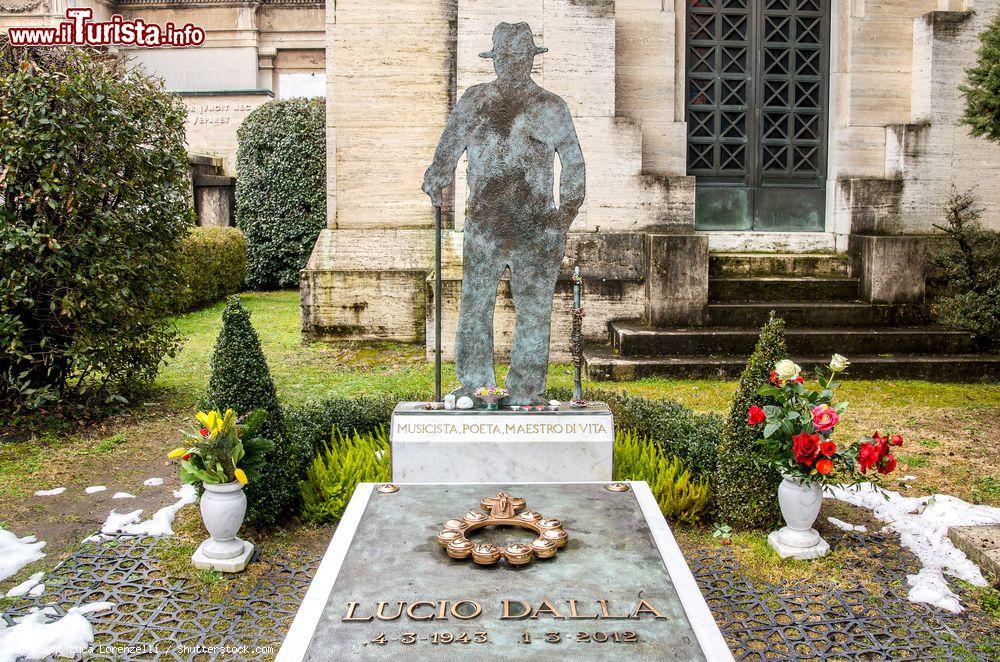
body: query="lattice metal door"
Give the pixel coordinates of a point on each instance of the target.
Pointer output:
(756, 112)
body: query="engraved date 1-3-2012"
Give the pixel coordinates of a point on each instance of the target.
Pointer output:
(445, 638)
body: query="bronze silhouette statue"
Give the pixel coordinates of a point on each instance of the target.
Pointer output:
(511, 129)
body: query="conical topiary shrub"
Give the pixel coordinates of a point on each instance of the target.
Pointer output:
(745, 485)
(242, 381)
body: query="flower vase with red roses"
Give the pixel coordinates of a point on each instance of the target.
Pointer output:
(797, 431)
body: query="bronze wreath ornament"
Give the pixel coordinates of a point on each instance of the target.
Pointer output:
(502, 510)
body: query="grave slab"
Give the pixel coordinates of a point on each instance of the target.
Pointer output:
(618, 589)
(473, 446)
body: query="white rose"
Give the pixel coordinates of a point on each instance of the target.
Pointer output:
(839, 363)
(787, 370)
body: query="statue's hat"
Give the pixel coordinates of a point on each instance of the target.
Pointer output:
(515, 39)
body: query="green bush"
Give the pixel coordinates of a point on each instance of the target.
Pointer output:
(281, 188)
(969, 269)
(745, 485)
(681, 497)
(93, 207)
(679, 431)
(345, 461)
(982, 86)
(241, 380)
(213, 264)
(313, 423)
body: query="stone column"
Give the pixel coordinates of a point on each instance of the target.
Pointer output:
(891, 269)
(677, 279)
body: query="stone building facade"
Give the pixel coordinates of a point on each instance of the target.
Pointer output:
(709, 127)
(254, 50)
(819, 126)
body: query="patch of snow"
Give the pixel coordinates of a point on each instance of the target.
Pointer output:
(15, 553)
(54, 491)
(37, 591)
(153, 482)
(92, 607)
(36, 636)
(94, 489)
(123, 495)
(907, 478)
(922, 524)
(158, 525)
(25, 586)
(846, 526)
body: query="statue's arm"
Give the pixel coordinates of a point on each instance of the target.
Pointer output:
(573, 179)
(453, 142)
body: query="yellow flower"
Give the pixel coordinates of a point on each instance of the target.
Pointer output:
(176, 453)
(241, 476)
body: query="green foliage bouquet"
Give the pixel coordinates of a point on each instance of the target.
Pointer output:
(222, 444)
(798, 428)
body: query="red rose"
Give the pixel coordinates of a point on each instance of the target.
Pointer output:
(756, 415)
(896, 440)
(186, 456)
(773, 378)
(805, 446)
(824, 466)
(798, 380)
(888, 465)
(867, 456)
(204, 432)
(828, 448)
(825, 418)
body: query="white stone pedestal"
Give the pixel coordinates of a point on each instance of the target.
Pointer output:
(236, 564)
(814, 548)
(476, 446)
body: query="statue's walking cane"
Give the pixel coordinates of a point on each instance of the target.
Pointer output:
(437, 304)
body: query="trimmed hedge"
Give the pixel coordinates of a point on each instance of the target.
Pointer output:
(213, 264)
(679, 432)
(281, 188)
(745, 485)
(241, 380)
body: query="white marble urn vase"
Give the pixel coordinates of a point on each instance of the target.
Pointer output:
(800, 501)
(223, 508)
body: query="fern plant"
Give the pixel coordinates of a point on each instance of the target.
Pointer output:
(681, 497)
(338, 468)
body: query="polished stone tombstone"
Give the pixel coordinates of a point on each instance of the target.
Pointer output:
(618, 588)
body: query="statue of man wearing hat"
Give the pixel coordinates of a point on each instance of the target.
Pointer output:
(511, 129)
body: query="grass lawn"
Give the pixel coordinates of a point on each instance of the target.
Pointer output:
(952, 430)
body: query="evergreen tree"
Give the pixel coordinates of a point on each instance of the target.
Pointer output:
(982, 87)
(242, 381)
(745, 485)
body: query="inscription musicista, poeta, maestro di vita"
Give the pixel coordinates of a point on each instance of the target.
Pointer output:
(465, 610)
(498, 428)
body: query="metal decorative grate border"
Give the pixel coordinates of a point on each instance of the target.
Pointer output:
(157, 614)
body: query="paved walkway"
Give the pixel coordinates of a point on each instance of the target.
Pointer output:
(159, 617)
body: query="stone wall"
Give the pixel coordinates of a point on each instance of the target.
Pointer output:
(897, 147)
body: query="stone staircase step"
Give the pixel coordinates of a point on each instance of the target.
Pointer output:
(782, 288)
(603, 364)
(635, 339)
(815, 314)
(779, 264)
